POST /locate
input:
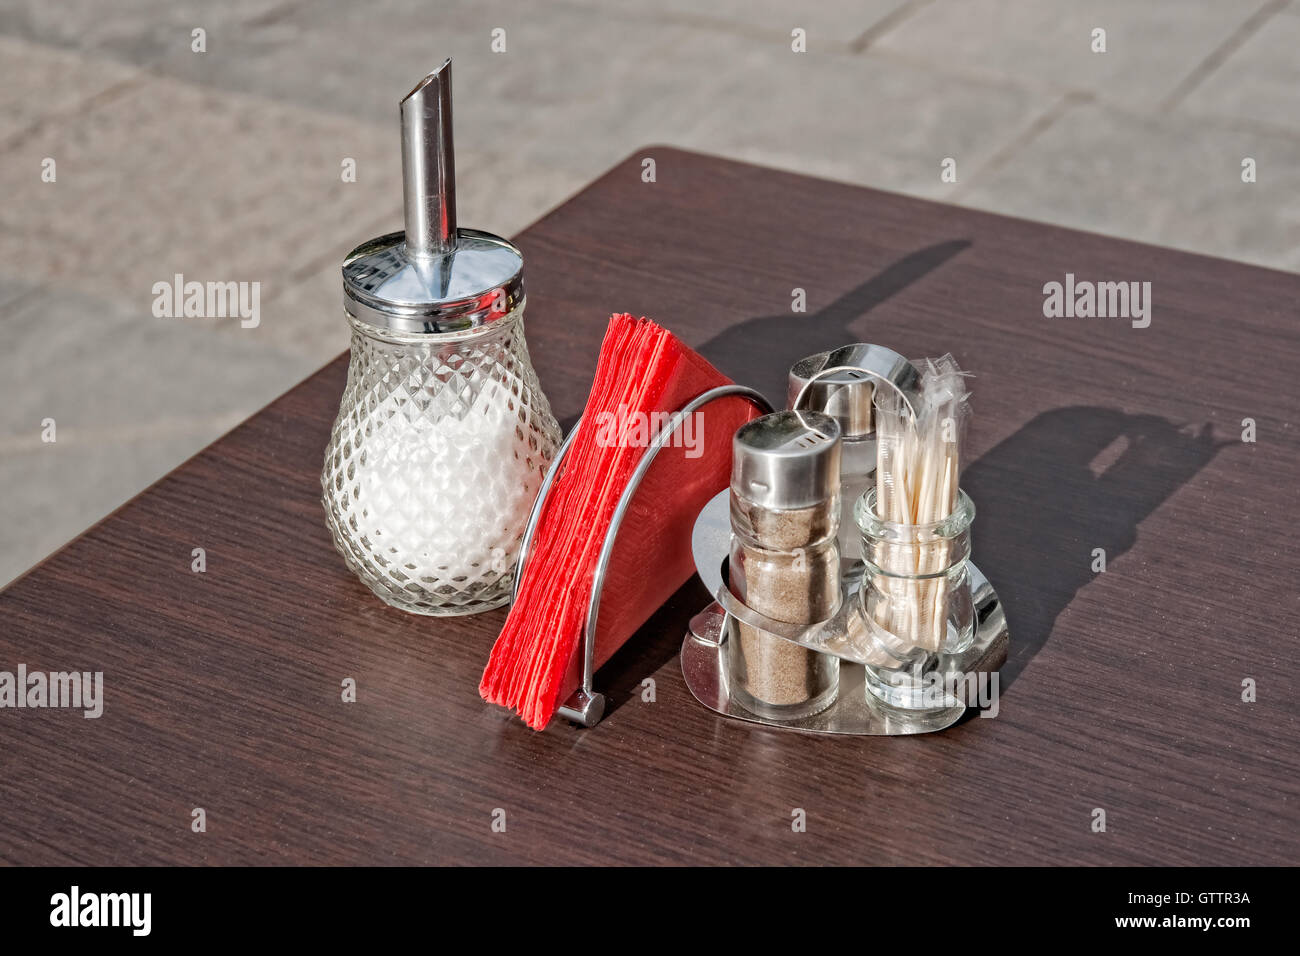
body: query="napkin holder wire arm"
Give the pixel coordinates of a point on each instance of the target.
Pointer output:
(586, 706)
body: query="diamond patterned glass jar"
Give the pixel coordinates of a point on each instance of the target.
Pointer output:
(443, 436)
(439, 449)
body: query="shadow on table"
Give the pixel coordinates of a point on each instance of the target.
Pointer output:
(759, 352)
(1071, 480)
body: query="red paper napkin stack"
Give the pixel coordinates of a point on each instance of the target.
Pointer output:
(644, 373)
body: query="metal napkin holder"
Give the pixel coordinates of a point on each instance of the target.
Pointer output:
(586, 706)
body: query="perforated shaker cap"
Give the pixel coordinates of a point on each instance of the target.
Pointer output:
(432, 277)
(787, 460)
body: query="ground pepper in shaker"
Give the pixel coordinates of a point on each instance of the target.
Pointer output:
(785, 564)
(443, 436)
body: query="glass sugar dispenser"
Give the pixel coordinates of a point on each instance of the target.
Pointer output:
(444, 435)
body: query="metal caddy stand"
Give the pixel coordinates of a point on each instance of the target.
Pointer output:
(855, 711)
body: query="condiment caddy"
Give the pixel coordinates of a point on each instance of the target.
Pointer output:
(707, 671)
(909, 639)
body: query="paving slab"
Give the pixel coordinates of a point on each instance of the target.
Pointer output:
(168, 178)
(1151, 47)
(862, 119)
(54, 83)
(828, 25)
(140, 32)
(130, 395)
(97, 367)
(1259, 81)
(1171, 181)
(360, 59)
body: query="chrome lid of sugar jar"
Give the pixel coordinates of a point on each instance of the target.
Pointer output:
(478, 281)
(846, 395)
(786, 460)
(432, 277)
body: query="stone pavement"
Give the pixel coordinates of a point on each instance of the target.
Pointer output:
(225, 165)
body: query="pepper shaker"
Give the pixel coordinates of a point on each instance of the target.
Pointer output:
(784, 564)
(443, 435)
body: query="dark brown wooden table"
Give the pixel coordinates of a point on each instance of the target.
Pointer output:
(1124, 688)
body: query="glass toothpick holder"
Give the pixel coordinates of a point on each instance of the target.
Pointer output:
(916, 603)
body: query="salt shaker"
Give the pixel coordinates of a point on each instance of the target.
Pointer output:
(443, 436)
(841, 383)
(784, 564)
